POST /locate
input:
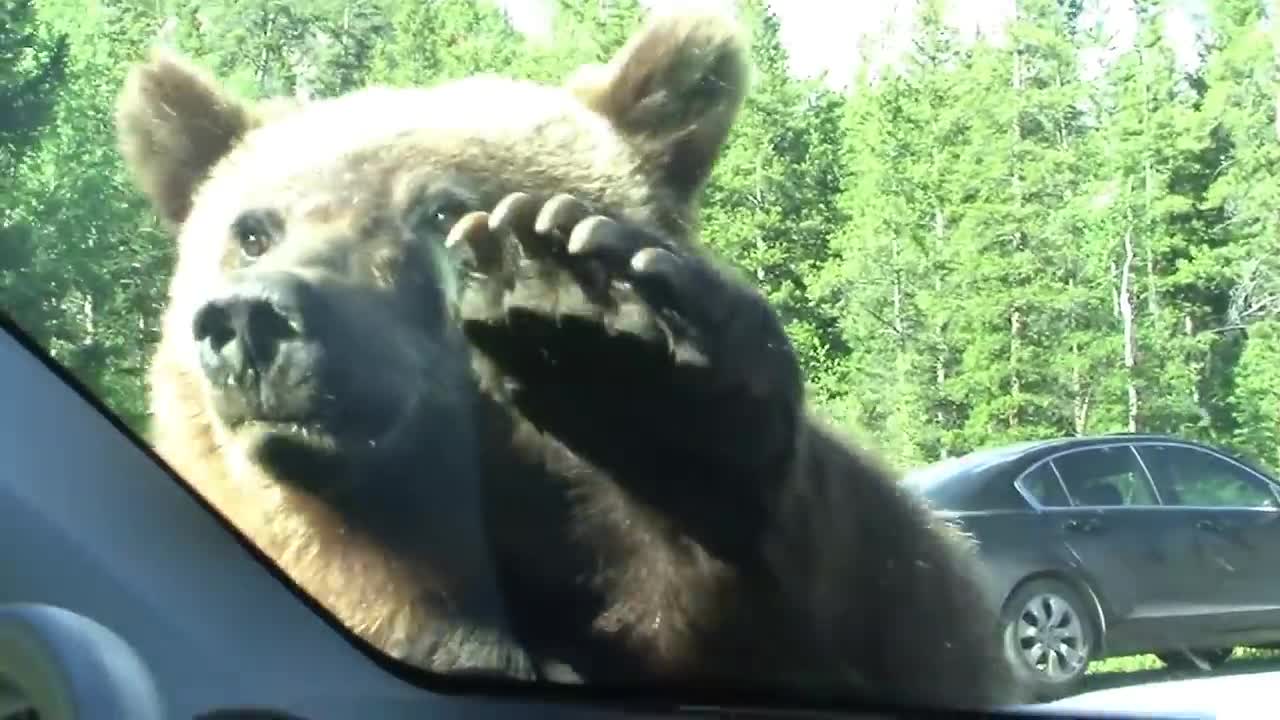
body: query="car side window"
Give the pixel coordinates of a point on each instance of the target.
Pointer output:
(1190, 477)
(1042, 485)
(1105, 477)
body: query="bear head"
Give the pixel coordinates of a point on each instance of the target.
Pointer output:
(312, 295)
(309, 346)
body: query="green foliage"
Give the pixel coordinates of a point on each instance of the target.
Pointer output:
(979, 244)
(32, 69)
(92, 276)
(1256, 395)
(32, 72)
(443, 39)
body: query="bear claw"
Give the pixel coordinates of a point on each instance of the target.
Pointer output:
(560, 215)
(656, 261)
(515, 211)
(472, 232)
(595, 235)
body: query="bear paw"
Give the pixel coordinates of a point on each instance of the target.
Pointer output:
(588, 316)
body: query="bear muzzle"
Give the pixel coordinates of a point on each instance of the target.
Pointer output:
(256, 351)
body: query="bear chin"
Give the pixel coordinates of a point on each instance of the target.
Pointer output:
(307, 455)
(347, 424)
(327, 456)
(261, 436)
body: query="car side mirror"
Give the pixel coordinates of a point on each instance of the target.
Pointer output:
(64, 666)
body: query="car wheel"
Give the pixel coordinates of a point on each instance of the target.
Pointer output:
(1214, 658)
(1049, 637)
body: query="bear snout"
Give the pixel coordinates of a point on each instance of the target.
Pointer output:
(255, 349)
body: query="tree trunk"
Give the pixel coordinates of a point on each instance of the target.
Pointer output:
(1081, 389)
(1274, 13)
(1127, 324)
(1197, 361)
(899, 325)
(1015, 312)
(939, 358)
(1080, 415)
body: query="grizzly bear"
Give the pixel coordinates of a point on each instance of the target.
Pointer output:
(454, 358)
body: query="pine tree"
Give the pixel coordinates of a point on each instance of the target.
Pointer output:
(770, 206)
(1240, 103)
(892, 276)
(33, 65)
(32, 68)
(442, 39)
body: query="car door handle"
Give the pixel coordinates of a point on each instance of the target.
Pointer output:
(1208, 526)
(1083, 526)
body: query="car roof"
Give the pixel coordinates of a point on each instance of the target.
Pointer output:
(962, 474)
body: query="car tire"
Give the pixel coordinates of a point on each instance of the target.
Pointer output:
(1049, 637)
(1214, 658)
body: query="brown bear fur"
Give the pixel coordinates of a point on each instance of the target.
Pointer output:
(503, 519)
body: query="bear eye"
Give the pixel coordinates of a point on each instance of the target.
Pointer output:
(255, 231)
(449, 213)
(437, 213)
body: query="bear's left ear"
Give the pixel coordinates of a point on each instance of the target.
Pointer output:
(675, 89)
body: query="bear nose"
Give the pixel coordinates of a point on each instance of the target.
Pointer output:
(243, 333)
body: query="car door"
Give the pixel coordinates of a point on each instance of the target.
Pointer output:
(1236, 528)
(1115, 528)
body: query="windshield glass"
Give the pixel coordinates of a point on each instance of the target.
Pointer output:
(573, 341)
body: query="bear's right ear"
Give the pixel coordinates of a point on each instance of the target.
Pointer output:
(174, 122)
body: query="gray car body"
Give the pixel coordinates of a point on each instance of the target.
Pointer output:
(1154, 577)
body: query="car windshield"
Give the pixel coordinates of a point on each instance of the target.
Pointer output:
(584, 342)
